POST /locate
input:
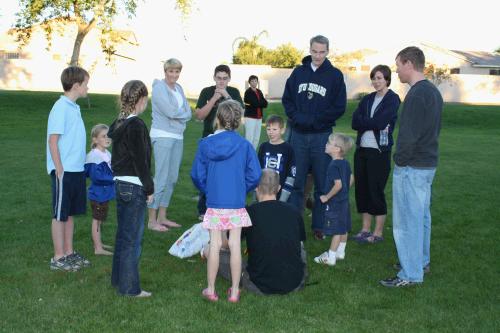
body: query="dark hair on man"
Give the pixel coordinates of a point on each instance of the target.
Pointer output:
(320, 40)
(72, 75)
(414, 55)
(222, 68)
(274, 119)
(269, 182)
(253, 77)
(385, 70)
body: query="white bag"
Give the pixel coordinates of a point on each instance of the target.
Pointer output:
(191, 242)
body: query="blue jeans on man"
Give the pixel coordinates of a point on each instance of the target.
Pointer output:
(411, 190)
(310, 154)
(131, 209)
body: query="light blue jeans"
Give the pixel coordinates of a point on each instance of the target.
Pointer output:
(411, 197)
(168, 157)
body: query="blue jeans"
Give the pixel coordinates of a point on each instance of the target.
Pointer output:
(130, 208)
(411, 197)
(310, 155)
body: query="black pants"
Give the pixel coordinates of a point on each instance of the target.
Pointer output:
(371, 171)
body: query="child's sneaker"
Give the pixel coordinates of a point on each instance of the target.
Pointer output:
(62, 264)
(325, 259)
(78, 260)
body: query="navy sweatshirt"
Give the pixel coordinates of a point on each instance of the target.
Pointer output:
(385, 114)
(314, 100)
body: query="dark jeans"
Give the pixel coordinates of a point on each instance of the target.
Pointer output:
(371, 171)
(202, 204)
(310, 154)
(130, 208)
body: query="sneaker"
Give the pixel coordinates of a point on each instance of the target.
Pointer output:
(339, 256)
(78, 260)
(396, 282)
(62, 264)
(325, 259)
(427, 268)
(318, 235)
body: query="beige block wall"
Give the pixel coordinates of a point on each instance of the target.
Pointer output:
(42, 73)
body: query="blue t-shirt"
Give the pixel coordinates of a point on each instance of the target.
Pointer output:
(66, 120)
(338, 169)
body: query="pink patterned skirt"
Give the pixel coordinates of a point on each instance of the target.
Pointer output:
(225, 219)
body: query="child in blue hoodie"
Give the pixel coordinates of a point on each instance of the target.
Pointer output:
(102, 187)
(225, 169)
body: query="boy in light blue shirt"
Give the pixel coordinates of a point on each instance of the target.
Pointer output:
(66, 151)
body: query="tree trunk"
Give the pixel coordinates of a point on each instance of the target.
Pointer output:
(83, 30)
(75, 57)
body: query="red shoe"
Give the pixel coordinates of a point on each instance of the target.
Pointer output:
(210, 297)
(234, 299)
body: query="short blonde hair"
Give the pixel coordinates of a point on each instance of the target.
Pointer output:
(269, 182)
(96, 130)
(172, 63)
(343, 141)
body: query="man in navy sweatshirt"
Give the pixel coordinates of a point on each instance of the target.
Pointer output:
(314, 98)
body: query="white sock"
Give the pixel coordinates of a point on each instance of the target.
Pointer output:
(331, 254)
(341, 247)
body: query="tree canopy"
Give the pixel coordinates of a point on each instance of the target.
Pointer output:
(86, 14)
(250, 52)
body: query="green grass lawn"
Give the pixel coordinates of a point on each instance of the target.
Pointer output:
(462, 292)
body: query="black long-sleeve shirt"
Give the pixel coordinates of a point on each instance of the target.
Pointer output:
(132, 151)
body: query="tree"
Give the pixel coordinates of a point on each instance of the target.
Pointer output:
(85, 14)
(250, 52)
(497, 50)
(285, 56)
(437, 75)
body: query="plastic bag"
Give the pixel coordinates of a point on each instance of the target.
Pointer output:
(191, 242)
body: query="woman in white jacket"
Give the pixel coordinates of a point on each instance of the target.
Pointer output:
(171, 112)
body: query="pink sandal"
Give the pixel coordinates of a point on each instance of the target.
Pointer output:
(210, 297)
(234, 299)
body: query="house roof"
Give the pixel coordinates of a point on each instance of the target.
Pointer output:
(480, 58)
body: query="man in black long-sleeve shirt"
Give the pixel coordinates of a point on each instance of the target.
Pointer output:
(276, 258)
(415, 161)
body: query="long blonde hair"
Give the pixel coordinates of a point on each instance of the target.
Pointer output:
(229, 115)
(131, 94)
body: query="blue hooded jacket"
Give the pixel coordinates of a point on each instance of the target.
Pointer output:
(314, 100)
(225, 168)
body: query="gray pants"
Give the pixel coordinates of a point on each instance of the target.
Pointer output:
(168, 157)
(245, 282)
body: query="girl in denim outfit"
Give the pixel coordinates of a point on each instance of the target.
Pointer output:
(131, 164)
(225, 169)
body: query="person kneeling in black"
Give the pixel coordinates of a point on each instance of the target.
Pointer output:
(276, 256)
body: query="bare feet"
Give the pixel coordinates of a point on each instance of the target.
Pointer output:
(102, 252)
(157, 227)
(169, 223)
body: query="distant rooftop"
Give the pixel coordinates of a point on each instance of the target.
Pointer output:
(480, 58)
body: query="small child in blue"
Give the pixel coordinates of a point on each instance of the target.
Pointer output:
(337, 215)
(102, 188)
(277, 154)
